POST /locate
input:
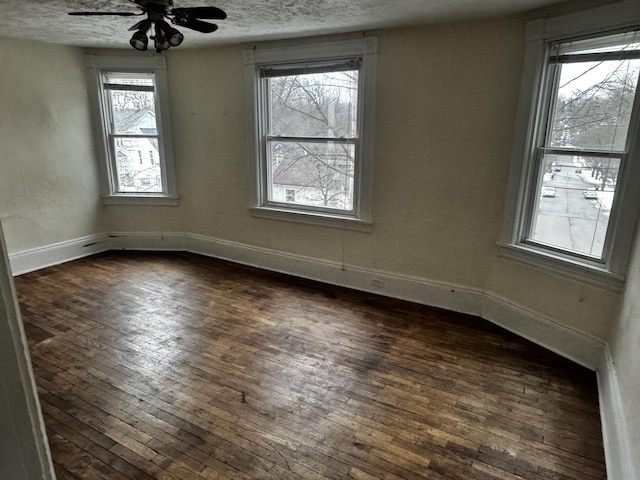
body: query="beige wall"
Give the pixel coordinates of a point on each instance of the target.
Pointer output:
(446, 103)
(48, 178)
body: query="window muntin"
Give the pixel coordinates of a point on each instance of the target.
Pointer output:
(311, 134)
(583, 144)
(132, 131)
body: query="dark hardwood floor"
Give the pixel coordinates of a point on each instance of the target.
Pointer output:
(179, 366)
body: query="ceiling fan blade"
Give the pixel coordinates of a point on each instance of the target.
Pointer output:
(120, 14)
(200, 12)
(197, 25)
(143, 25)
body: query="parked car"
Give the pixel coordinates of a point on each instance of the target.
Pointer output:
(590, 194)
(548, 192)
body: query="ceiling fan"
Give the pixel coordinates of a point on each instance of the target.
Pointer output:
(165, 35)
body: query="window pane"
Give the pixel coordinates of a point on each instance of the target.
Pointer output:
(618, 42)
(136, 169)
(119, 78)
(312, 174)
(574, 200)
(593, 104)
(133, 112)
(314, 105)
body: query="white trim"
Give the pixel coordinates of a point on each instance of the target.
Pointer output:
(312, 218)
(403, 287)
(572, 344)
(615, 434)
(156, 241)
(36, 258)
(132, 62)
(299, 51)
(617, 15)
(517, 214)
(542, 330)
(141, 200)
(26, 451)
(95, 65)
(562, 267)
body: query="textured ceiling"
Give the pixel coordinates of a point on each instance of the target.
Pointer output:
(248, 20)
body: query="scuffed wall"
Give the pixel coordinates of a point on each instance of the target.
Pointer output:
(49, 190)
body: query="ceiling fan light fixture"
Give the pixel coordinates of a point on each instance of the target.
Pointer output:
(173, 35)
(139, 40)
(160, 42)
(165, 36)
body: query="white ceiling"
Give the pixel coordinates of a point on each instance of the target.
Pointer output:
(248, 20)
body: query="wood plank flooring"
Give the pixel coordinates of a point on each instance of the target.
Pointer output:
(176, 366)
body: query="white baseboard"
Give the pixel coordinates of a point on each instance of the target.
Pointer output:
(614, 427)
(403, 287)
(572, 344)
(579, 347)
(567, 342)
(157, 241)
(56, 253)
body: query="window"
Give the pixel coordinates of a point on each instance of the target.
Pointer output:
(132, 118)
(313, 119)
(577, 199)
(584, 145)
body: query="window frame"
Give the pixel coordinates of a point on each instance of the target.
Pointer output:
(97, 65)
(531, 120)
(257, 59)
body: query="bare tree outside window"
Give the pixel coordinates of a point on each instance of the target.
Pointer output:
(312, 137)
(585, 144)
(134, 134)
(593, 111)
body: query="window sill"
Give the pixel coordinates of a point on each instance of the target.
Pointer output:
(320, 219)
(144, 200)
(559, 265)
